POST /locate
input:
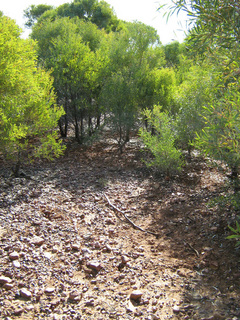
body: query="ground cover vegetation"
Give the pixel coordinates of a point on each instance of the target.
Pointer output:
(88, 82)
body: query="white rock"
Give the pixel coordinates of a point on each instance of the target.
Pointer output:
(95, 265)
(176, 309)
(49, 290)
(16, 263)
(25, 293)
(4, 280)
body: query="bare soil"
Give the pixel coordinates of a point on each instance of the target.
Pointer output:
(66, 253)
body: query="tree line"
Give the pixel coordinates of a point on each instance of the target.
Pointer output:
(85, 69)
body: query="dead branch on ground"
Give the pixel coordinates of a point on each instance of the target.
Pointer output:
(126, 217)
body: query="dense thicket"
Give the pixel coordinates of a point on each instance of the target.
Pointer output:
(111, 73)
(28, 110)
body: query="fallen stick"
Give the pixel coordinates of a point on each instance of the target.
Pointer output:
(126, 217)
(191, 247)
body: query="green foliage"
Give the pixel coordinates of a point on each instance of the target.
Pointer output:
(118, 95)
(166, 158)
(72, 49)
(99, 13)
(172, 54)
(33, 12)
(196, 91)
(236, 233)
(28, 111)
(214, 22)
(221, 134)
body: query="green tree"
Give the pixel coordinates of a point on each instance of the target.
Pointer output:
(220, 138)
(28, 111)
(33, 12)
(172, 52)
(119, 97)
(64, 47)
(197, 90)
(99, 13)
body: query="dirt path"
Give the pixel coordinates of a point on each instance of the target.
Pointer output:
(65, 253)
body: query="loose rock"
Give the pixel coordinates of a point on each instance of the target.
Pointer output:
(136, 295)
(25, 293)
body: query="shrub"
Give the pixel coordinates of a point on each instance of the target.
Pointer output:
(166, 158)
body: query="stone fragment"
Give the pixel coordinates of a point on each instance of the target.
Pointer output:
(16, 263)
(25, 293)
(4, 279)
(176, 309)
(38, 241)
(18, 311)
(136, 295)
(49, 290)
(8, 286)
(14, 255)
(125, 259)
(95, 265)
(76, 246)
(55, 303)
(75, 295)
(90, 302)
(55, 249)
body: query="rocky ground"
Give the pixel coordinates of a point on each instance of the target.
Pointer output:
(69, 248)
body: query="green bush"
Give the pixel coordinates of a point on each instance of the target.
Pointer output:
(166, 158)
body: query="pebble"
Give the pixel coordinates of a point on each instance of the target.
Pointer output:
(76, 246)
(14, 255)
(4, 279)
(16, 264)
(38, 241)
(95, 265)
(136, 295)
(8, 286)
(49, 290)
(75, 295)
(25, 293)
(176, 309)
(125, 259)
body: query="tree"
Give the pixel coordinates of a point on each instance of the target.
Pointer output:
(64, 47)
(33, 12)
(172, 54)
(215, 34)
(215, 25)
(197, 90)
(28, 111)
(119, 96)
(99, 13)
(220, 138)
(212, 21)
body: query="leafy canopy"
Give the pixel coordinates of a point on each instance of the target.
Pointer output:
(27, 101)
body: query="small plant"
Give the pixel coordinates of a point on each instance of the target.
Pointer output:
(236, 234)
(166, 158)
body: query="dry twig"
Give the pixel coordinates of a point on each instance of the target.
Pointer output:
(191, 247)
(126, 217)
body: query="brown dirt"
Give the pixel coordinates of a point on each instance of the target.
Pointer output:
(189, 271)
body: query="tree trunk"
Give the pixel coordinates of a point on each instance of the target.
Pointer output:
(63, 126)
(16, 169)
